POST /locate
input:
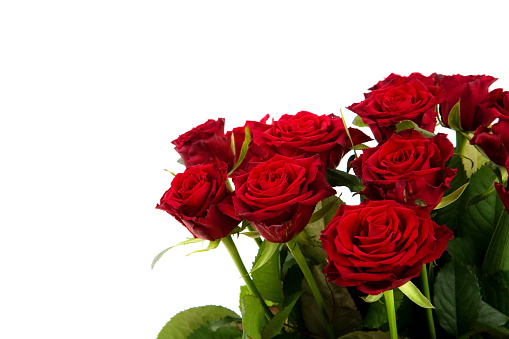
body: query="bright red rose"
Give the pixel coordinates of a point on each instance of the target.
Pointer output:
(278, 196)
(399, 98)
(306, 134)
(204, 142)
(406, 167)
(195, 199)
(380, 245)
(472, 90)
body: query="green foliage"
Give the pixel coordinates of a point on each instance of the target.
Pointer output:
(408, 124)
(413, 293)
(376, 316)
(367, 335)
(211, 331)
(457, 298)
(276, 324)
(185, 242)
(337, 178)
(253, 316)
(186, 322)
(357, 121)
(267, 278)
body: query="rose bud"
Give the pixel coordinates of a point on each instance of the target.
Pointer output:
(380, 245)
(472, 92)
(204, 142)
(405, 168)
(278, 196)
(196, 198)
(399, 98)
(306, 134)
(494, 141)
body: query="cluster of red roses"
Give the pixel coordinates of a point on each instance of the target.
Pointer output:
(383, 242)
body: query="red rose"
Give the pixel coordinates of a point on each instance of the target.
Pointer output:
(503, 193)
(406, 167)
(279, 195)
(399, 98)
(475, 107)
(380, 245)
(306, 134)
(494, 141)
(195, 199)
(204, 142)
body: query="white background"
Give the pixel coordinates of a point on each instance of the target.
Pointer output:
(93, 92)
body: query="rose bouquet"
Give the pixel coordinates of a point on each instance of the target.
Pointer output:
(425, 254)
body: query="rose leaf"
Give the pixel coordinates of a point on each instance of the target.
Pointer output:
(253, 316)
(457, 298)
(225, 328)
(408, 124)
(267, 277)
(275, 325)
(357, 121)
(186, 322)
(413, 293)
(452, 197)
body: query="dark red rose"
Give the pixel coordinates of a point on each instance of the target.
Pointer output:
(472, 90)
(399, 98)
(279, 195)
(494, 141)
(380, 245)
(204, 142)
(306, 134)
(255, 151)
(500, 101)
(406, 167)
(195, 199)
(503, 193)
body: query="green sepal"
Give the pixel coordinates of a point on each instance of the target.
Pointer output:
(413, 293)
(452, 197)
(185, 242)
(454, 120)
(275, 325)
(243, 151)
(357, 121)
(251, 234)
(372, 298)
(409, 124)
(212, 245)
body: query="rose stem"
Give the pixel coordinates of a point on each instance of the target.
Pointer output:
(391, 313)
(234, 253)
(301, 261)
(429, 311)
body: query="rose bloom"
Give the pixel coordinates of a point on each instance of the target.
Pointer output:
(306, 134)
(399, 98)
(195, 199)
(494, 140)
(204, 142)
(278, 196)
(472, 90)
(406, 167)
(380, 245)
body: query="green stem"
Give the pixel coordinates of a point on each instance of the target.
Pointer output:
(429, 311)
(234, 253)
(391, 313)
(301, 261)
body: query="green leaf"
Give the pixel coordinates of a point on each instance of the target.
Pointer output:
(357, 121)
(228, 320)
(503, 277)
(212, 245)
(465, 251)
(337, 178)
(267, 277)
(452, 197)
(413, 293)
(221, 332)
(243, 151)
(267, 252)
(185, 242)
(244, 290)
(325, 208)
(372, 298)
(180, 161)
(186, 322)
(275, 325)
(347, 131)
(454, 120)
(499, 332)
(338, 303)
(491, 316)
(497, 255)
(469, 153)
(253, 316)
(408, 124)
(376, 315)
(360, 147)
(367, 335)
(476, 222)
(480, 197)
(457, 298)
(495, 293)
